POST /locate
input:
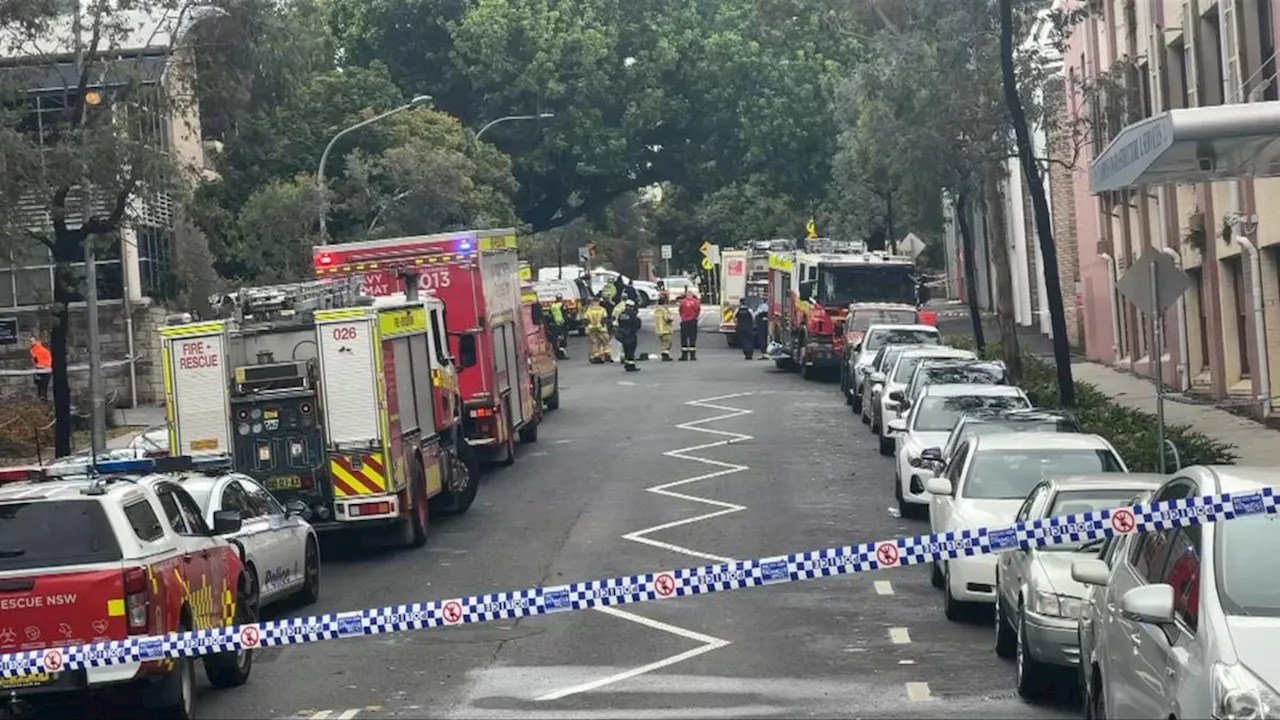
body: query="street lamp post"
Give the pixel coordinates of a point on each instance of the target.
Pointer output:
(510, 118)
(418, 101)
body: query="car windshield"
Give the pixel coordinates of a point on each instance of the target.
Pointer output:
(848, 284)
(1010, 474)
(200, 492)
(940, 413)
(1072, 502)
(863, 319)
(975, 374)
(906, 367)
(55, 534)
(920, 336)
(1245, 548)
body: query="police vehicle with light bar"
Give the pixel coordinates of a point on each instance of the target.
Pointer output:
(115, 550)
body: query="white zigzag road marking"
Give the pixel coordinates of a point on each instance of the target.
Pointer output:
(709, 643)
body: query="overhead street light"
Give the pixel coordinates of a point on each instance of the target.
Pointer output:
(510, 118)
(322, 188)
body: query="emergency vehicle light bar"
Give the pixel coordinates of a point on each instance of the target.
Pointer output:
(175, 463)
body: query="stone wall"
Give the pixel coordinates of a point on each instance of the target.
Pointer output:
(1063, 201)
(15, 360)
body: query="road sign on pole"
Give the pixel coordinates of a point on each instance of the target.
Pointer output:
(666, 252)
(706, 264)
(584, 255)
(911, 246)
(713, 254)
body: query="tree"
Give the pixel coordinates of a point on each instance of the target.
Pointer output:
(88, 152)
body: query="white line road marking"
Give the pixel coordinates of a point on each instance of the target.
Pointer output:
(348, 714)
(919, 692)
(883, 587)
(899, 636)
(709, 643)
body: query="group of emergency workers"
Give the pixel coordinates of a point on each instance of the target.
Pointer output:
(613, 314)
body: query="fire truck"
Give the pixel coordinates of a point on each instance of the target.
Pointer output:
(476, 275)
(810, 291)
(344, 408)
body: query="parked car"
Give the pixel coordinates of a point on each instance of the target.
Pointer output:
(152, 442)
(988, 421)
(859, 358)
(676, 287)
(889, 402)
(1037, 602)
(985, 484)
(1184, 622)
(927, 426)
(948, 371)
(873, 381)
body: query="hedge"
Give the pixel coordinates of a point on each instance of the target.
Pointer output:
(1132, 432)
(21, 422)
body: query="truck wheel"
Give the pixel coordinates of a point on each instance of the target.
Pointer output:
(418, 519)
(732, 339)
(553, 402)
(231, 669)
(174, 697)
(808, 372)
(509, 454)
(529, 432)
(464, 481)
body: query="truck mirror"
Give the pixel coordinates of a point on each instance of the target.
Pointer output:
(806, 289)
(466, 350)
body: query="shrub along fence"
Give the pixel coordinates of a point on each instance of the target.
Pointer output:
(1132, 432)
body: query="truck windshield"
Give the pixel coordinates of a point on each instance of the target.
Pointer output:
(845, 284)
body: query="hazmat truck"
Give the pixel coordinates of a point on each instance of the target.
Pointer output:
(476, 274)
(346, 410)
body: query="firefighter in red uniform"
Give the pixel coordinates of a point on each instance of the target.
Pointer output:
(690, 310)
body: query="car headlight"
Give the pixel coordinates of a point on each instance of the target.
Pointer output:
(1053, 605)
(1238, 694)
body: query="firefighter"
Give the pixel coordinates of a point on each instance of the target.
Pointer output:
(597, 331)
(663, 325)
(762, 330)
(618, 309)
(745, 323)
(559, 331)
(690, 310)
(628, 323)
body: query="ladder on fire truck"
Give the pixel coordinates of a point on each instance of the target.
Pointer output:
(255, 303)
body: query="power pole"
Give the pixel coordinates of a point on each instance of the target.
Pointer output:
(98, 418)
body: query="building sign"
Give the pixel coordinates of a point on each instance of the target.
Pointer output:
(1122, 164)
(8, 331)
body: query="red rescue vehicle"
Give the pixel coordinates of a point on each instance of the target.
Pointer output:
(477, 276)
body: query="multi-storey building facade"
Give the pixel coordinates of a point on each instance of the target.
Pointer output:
(1181, 96)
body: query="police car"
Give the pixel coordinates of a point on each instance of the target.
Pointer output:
(119, 550)
(282, 554)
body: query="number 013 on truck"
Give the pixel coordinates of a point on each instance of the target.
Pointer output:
(346, 410)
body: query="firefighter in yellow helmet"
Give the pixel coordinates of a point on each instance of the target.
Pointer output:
(663, 325)
(595, 319)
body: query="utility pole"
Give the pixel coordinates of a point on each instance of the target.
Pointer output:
(98, 417)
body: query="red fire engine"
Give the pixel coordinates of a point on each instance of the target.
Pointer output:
(476, 274)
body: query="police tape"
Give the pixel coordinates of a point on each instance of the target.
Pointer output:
(663, 585)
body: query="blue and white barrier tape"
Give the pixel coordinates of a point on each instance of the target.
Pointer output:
(661, 585)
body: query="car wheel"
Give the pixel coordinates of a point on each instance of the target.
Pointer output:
(231, 669)
(310, 593)
(1095, 703)
(936, 578)
(855, 401)
(955, 610)
(886, 445)
(844, 384)
(1006, 639)
(1029, 673)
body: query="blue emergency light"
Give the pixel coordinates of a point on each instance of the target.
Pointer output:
(464, 245)
(124, 466)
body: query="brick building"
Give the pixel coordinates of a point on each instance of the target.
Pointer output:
(1181, 100)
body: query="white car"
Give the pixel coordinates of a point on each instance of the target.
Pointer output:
(858, 359)
(1037, 601)
(1185, 621)
(873, 381)
(927, 427)
(676, 287)
(888, 403)
(282, 553)
(985, 483)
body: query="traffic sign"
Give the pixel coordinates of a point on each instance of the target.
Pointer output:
(584, 255)
(706, 264)
(713, 254)
(666, 252)
(705, 247)
(1155, 266)
(911, 246)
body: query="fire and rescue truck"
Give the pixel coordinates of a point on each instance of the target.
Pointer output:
(544, 371)
(476, 275)
(744, 273)
(810, 291)
(342, 406)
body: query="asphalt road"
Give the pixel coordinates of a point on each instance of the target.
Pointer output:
(802, 473)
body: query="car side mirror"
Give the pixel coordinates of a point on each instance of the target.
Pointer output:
(932, 454)
(1034, 399)
(295, 507)
(227, 522)
(877, 378)
(1091, 572)
(1152, 604)
(896, 396)
(857, 347)
(897, 425)
(467, 350)
(938, 486)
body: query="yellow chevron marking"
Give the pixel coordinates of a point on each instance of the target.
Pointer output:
(356, 483)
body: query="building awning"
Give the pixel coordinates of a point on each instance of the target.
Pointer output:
(1192, 145)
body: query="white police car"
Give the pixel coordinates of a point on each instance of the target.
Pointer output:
(282, 554)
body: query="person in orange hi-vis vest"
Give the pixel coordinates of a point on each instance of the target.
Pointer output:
(42, 360)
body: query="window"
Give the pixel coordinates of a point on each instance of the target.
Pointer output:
(1182, 573)
(1024, 512)
(1236, 268)
(1267, 45)
(1209, 48)
(261, 500)
(143, 520)
(956, 470)
(190, 513)
(1245, 560)
(171, 511)
(940, 413)
(1151, 549)
(1011, 474)
(28, 531)
(234, 498)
